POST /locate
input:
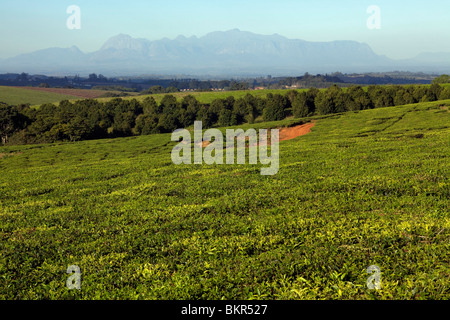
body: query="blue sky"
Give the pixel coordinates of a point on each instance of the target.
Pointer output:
(407, 27)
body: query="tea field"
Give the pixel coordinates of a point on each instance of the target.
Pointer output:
(363, 188)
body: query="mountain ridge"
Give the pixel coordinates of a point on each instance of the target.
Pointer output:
(220, 52)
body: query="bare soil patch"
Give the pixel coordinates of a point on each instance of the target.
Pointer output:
(284, 133)
(297, 131)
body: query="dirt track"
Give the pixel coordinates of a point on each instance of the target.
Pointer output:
(294, 132)
(286, 133)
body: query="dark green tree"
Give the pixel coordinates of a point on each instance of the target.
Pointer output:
(291, 94)
(300, 105)
(77, 129)
(442, 79)
(359, 99)
(149, 106)
(46, 117)
(11, 121)
(229, 102)
(226, 118)
(189, 107)
(311, 95)
(324, 103)
(276, 106)
(167, 123)
(169, 104)
(445, 94)
(434, 92)
(399, 98)
(125, 113)
(251, 108)
(214, 110)
(419, 93)
(205, 116)
(239, 110)
(381, 97)
(146, 124)
(339, 98)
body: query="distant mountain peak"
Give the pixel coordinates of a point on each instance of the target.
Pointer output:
(122, 36)
(235, 30)
(75, 49)
(123, 41)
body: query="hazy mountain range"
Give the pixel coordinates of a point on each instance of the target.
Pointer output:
(231, 52)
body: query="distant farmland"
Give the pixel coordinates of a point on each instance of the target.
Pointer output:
(14, 96)
(80, 93)
(37, 96)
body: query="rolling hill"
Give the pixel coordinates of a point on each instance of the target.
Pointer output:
(362, 188)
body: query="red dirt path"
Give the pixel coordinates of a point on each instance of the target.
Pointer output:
(294, 132)
(286, 133)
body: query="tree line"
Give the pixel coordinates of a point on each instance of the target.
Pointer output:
(444, 78)
(92, 119)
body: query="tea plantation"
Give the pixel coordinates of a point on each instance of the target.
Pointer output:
(363, 188)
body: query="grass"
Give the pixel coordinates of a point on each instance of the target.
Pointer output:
(363, 188)
(16, 96)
